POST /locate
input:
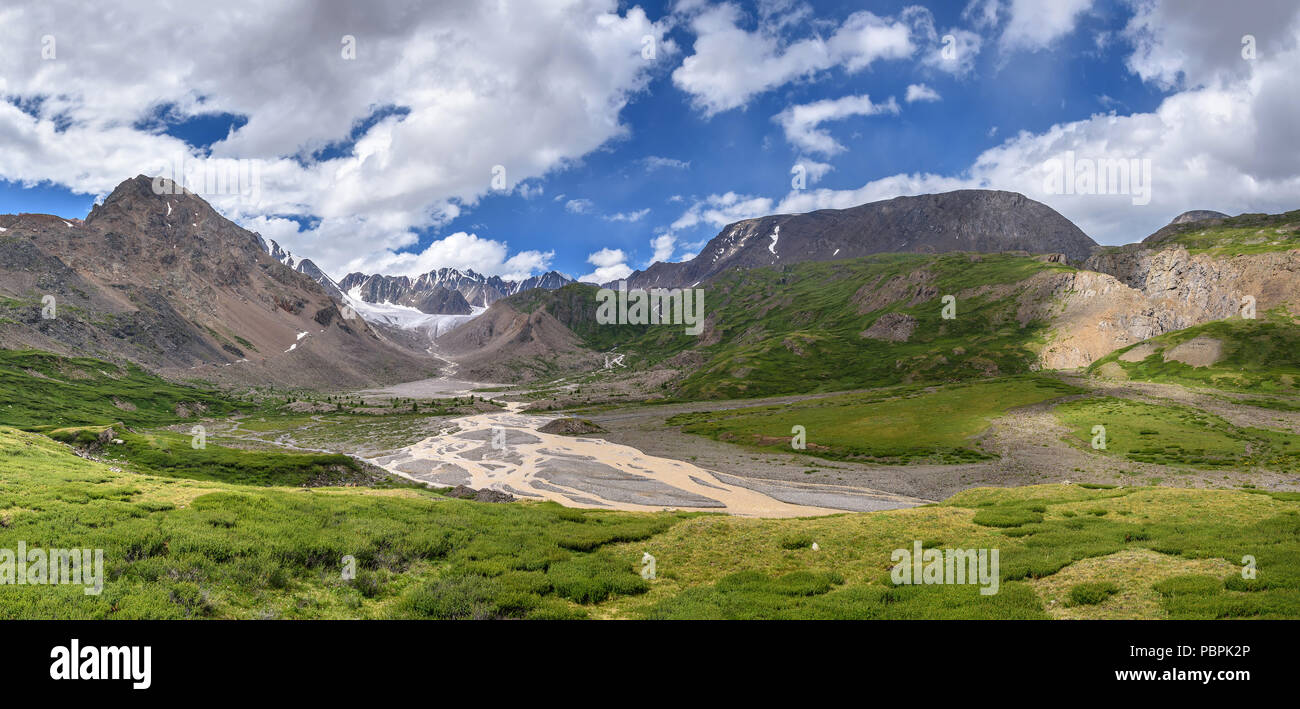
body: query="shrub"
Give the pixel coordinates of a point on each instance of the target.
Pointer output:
(594, 578)
(1092, 593)
(452, 598)
(796, 541)
(1006, 516)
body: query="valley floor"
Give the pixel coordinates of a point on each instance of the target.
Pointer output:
(1188, 512)
(1026, 445)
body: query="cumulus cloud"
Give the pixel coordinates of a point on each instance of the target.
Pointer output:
(663, 246)
(719, 210)
(953, 52)
(1231, 145)
(813, 170)
(1033, 24)
(579, 206)
(1229, 149)
(92, 112)
(461, 250)
(611, 265)
(921, 92)
(801, 123)
(729, 64)
(1198, 42)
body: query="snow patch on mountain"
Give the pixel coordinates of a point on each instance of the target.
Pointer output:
(405, 317)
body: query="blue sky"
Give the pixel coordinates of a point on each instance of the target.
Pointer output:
(669, 156)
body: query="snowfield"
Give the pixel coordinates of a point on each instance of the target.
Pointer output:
(406, 317)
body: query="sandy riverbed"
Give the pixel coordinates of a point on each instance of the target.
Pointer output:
(504, 451)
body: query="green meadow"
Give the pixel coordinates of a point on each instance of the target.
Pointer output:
(904, 424)
(1178, 435)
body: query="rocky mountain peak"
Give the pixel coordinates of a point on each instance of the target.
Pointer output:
(1197, 215)
(144, 199)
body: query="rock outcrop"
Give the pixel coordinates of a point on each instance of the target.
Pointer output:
(1130, 294)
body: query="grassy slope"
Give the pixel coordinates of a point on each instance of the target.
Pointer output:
(39, 389)
(184, 549)
(898, 425)
(1259, 356)
(44, 392)
(172, 455)
(1244, 234)
(795, 329)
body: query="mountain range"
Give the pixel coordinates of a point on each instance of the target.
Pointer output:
(444, 291)
(165, 281)
(833, 298)
(812, 324)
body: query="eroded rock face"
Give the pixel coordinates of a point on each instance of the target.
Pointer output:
(1132, 294)
(895, 327)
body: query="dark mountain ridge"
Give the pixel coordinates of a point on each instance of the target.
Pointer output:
(988, 221)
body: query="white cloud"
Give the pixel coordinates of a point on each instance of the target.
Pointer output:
(921, 92)
(606, 257)
(1232, 145)
(801, 122)
(720, 210)
(655, 162)
(464, 70)
(1033, 24)
(729, 65)
(579, 206)
(529, 191)
(627, 216)
(611, 265)
(663, 246)
(983, 14)
(1198, 42)
(461, 251)
(814, 170)
(955, 56)
(954, 52)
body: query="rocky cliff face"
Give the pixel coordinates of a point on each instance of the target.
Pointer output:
(1130, 294)
(400, 290)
